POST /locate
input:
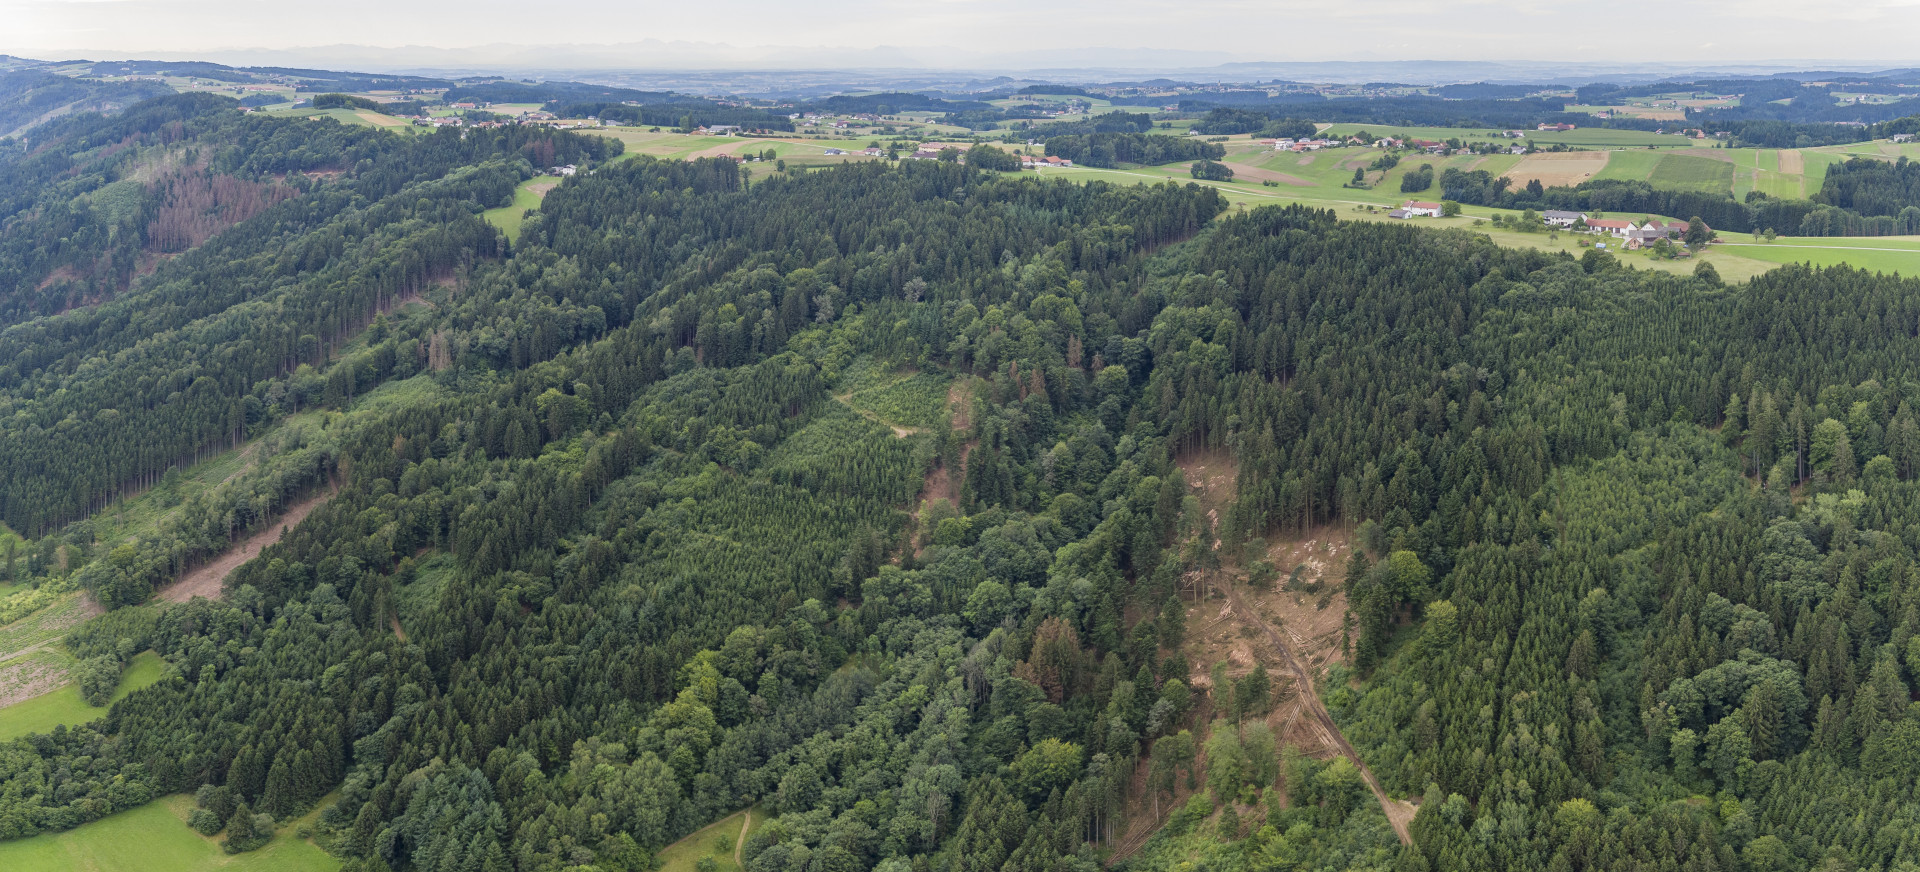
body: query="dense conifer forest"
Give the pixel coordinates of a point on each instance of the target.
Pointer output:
(857, 495)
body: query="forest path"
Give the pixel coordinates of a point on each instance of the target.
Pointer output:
(1398, 813)
(741, 842)
(205, 580)
(899, 432)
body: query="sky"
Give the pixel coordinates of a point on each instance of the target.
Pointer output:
(962, 33)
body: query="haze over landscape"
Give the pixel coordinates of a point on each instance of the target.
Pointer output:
(1146, 34)
(970, 436)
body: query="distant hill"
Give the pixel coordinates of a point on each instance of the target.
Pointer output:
(29, 98)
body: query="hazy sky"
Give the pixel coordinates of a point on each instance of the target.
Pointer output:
(1671, 30)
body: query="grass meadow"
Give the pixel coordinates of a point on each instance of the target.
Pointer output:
(65, 705)
(718, 840)
(155, 838)
(526, 196)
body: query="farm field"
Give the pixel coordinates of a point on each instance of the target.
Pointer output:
(1687, 172)
(65, 705)
(1634, 111)
(682, 146)
(155, 838)
(1891, 254)
(1558, 169)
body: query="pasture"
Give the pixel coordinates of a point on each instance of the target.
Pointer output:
(154, 838)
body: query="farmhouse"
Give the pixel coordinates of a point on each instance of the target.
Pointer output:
(722, 129)
(1415, 208)
(1611, 226)
(1399, 213)
(1560, 218)
(1556, 128)
(1903, 137)
(1643, 236)
(832, 151)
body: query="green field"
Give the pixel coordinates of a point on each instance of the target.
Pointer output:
(684, 855)
(155, 838)
(65, 706)
(526, 196)
(1890, 254)
(1683, 172)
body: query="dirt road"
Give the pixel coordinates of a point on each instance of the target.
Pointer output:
(205, 580)
(1398, 813)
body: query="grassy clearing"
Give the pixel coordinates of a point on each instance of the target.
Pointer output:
(65, 706)
(43, 626)
(527, 195)
(413, 600)
(141, 513)
(155, 838)
(911, 401)
(717, 840)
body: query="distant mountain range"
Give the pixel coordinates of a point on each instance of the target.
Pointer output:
(666, 61)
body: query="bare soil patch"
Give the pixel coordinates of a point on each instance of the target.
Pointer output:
(206, 579)
(1293, 630)
(29, 677)
(1558, 168)
(1792, 162)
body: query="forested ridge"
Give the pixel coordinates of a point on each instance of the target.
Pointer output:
(856, 494)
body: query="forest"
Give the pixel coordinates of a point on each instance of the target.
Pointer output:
(1112, 149)
(857, 495)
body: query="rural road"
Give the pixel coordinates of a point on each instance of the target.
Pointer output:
(1398, 813)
